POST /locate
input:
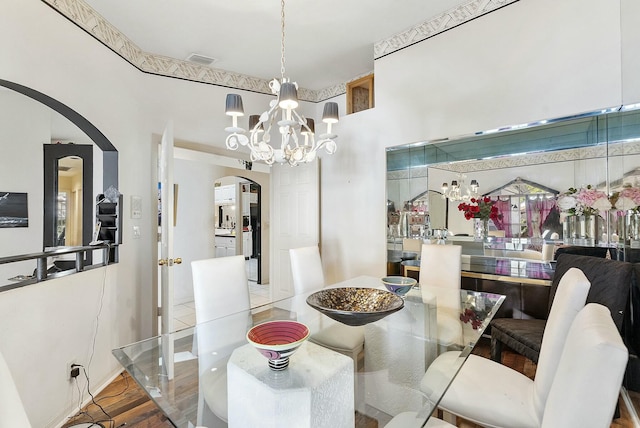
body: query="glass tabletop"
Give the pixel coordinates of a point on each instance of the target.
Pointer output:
(187, 373)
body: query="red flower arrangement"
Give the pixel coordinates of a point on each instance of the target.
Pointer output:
(483, 208)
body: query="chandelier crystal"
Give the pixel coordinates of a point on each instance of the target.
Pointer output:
(298, 142)
(459, 190)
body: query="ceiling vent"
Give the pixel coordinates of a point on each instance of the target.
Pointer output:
(200, 59)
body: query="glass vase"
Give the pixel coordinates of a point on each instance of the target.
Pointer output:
(570, 227)
(480, 228)
(633, 229)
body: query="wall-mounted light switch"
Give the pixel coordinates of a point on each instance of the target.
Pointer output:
(136, 232)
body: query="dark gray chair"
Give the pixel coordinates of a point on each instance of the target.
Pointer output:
(610, 286)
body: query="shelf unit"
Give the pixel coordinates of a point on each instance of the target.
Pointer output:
(109, 214)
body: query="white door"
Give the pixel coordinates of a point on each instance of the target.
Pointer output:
(167, 261)
(295, 219)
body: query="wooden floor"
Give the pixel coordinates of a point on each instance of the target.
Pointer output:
(129, 406)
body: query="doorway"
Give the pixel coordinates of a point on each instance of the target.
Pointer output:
(68, 189)
(238, 222)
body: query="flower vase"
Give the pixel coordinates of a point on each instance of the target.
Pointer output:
(480, 228)
(570, 229)
(633, 229)
(590, 228)
(620, 220)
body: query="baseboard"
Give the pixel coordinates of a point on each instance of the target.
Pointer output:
(88, 399)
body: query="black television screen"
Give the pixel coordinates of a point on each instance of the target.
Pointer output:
(13, 210)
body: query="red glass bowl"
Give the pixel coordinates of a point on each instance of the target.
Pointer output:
(278, 340)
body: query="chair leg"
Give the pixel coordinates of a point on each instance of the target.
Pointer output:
(496, 349)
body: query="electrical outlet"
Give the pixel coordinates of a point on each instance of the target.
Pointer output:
(72, 372)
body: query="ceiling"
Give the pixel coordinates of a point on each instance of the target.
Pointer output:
(328, 42)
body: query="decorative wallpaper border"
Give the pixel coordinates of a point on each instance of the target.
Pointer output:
(85, 17)
(450, 19)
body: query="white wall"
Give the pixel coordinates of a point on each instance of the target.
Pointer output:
(527, 61)
(45, 326)
(24, 128)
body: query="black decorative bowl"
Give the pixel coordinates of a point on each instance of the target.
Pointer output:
(354, 305)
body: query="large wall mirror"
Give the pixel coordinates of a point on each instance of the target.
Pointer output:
(54, 162)
(523, 168)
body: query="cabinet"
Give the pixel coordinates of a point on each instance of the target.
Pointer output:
(225, 194)
(225, 246)
(109, 224)
(108, 214)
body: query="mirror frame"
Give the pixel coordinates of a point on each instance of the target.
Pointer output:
(52, 154)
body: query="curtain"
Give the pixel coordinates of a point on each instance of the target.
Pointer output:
(504, 223)
(537, 211)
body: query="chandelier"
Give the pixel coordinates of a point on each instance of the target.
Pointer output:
(459, 190)
(298, 142)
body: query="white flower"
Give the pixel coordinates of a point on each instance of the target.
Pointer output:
(625, 204)
(565, 203)
(601, 204)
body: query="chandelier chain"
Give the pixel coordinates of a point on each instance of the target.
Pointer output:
(298, 141)
(282, 43)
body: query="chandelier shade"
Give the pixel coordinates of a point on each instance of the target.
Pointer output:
(254, 119)
(330, 113)
(234, 106)
(459, 190)
(310, 128)
(288, 97)
(298, 143)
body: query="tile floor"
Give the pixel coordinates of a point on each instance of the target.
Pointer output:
(184, 315)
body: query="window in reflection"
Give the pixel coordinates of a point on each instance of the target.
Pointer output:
(69, 203)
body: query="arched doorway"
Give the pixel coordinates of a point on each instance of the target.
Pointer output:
(238, 222)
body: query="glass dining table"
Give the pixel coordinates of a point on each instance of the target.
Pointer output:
(210, 376)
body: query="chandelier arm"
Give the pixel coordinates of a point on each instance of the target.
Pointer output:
(328, 144)
(303, 124)
(233, 141)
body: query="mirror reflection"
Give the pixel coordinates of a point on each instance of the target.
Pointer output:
(57, 199)
(523, 171)
(69, 202)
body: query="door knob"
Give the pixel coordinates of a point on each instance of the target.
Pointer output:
(170, 262)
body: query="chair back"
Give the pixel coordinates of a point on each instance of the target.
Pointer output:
(12, 412)
(220, 287)
(441, 267)
(610, 281)
(412, 245)
(569, 300)
(306, 269)
(587, 382)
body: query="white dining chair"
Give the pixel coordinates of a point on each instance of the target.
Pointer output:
(306, 269)
(220, 288)
(492, 395)
(441, 272)
(441, 265)
(12, 413)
